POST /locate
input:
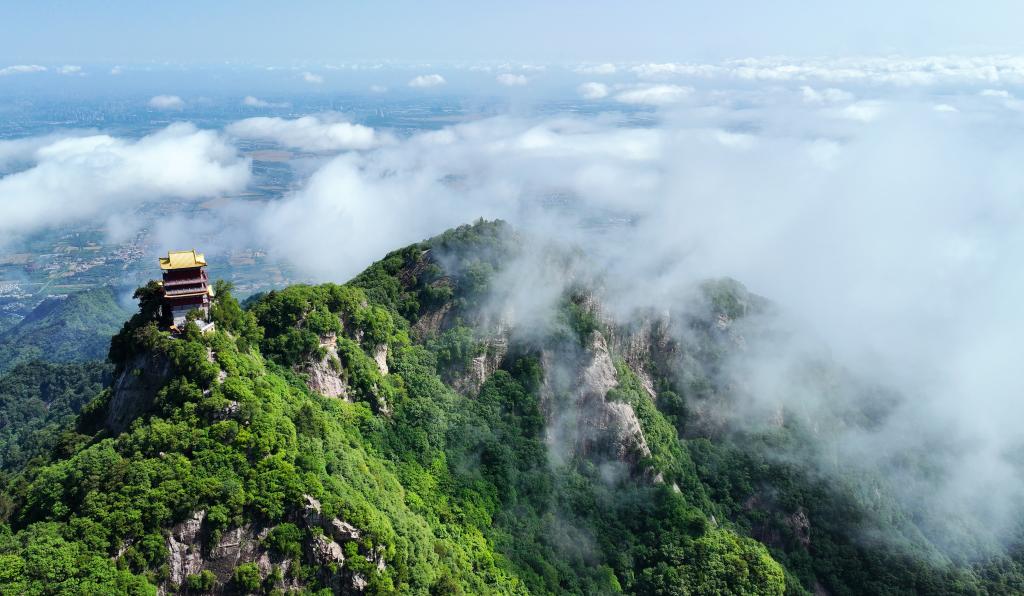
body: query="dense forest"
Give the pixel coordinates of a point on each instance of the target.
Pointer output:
(400, 434)
(75, 328)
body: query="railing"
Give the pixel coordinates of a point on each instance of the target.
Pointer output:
(191, 280)
(199, 289)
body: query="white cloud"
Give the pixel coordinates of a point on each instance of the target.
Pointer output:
(945, 107)
(21, 69)
(309, 133)
(654, 95)
(1001, 93)
(898, 71)
(512, 80)
(423, 81)
(667, 70)
(1008, 100)
(312, 78)
(866, 221)
(70, 69)
(74, 178)
(20, 153)
(597, 69)
(830, 95)
(593, 90)
(255, 102)
(862, 111)
(116, 70)
(167, 102)
(378, 89)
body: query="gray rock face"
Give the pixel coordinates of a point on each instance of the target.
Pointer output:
(184, 556)
(236, 546)
(322, 376)
(326, 551)
(431, 322)
(580, 418)
(483, 366)
(344, 531)
(380, 356)
(135, 388)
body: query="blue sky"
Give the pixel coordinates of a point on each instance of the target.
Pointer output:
(261, 32)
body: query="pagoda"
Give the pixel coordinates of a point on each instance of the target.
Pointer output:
(186, 287)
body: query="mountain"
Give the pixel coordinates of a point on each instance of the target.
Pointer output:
(38, 400)
(72, 329)
(427, 428)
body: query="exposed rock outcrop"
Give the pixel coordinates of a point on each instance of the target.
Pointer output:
(431, 322)
(481, 367)
(184, 555)
(580, 418)
(801, 526)
(380, 356)
(136, 387)
(326, 551)
(190, 554)
(324, 376)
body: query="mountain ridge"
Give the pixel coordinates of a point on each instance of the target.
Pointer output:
(456, 451)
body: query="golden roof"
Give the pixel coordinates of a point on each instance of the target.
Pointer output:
(182, 259)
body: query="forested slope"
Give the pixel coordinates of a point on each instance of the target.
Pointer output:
(72, 329)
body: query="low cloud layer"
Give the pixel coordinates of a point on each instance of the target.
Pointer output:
(167, 102)
(512, 80)
(654, 95)
(70, 179)
(593, 90)
(899, 71)
(597, 69)
(425, 81)
(21, 69)
(254, 102)
(886, 229)
(309, 133)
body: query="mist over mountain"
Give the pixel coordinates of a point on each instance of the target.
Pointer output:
(434, 427)
(535, 298)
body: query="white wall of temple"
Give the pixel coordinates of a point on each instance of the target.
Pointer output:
(180, 313)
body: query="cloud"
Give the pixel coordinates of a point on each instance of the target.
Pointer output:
(654, 95)
(830, 95)
(512, 80)
(597, 69)
(167, 102)
(894, 71)
(309, 133)
(21, 69)
(424, 81)
(255, 102)
(116, 70)
(87, 177)
(70, 69)
(593, 90)
(862, 111)
(1001, 93)
(883, 229)
(666, 70)
(312, 78)
(378, 89)
(18, 154)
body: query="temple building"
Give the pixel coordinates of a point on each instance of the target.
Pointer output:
(186, 287)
